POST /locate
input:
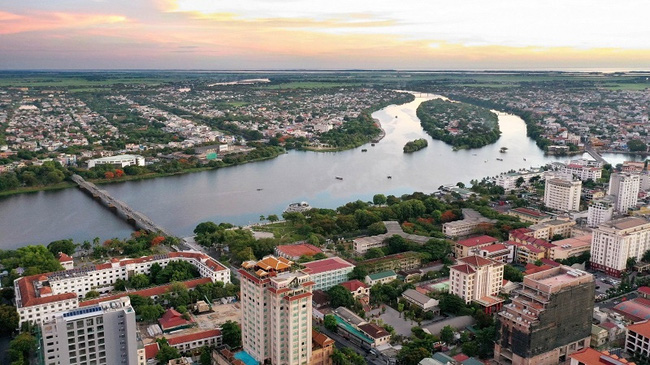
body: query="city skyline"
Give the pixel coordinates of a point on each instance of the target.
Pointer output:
(199, 34)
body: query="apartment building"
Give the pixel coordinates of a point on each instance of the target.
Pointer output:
(470, 246)
(615, 241)
(637, 340)
(466, 226)
(529, 215)
(583, 173)
(276, 305)
(117, 161)
(328, 272)
(101, 334)
(600, 211)
(477, 279)
(624, 186)
(570, 247)
(548, 319)
(548, 229)
(562, 194)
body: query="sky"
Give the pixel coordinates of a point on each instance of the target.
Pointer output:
(332, 34)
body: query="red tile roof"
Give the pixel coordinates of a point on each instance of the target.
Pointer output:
(644, 290)
(464, 268)
(28, 295)
(637, 309)
(151, 350)
(590, 356)
(330, 264)
(642, 328)
(461, 357)
(373, 330)
(172, 319)
(191, 337)
(477, 241)
(301, 249)
(532, 268)
(495, 248)
(353, 285)
(64, 258)
(476, 261)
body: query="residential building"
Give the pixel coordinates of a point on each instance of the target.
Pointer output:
(590, 356)
(526, 253)
(322, 349)
(379, 335)
(270, 293)
(477, 279)
(509, 180)
(529, 215)
(399, 261)
(570, 247)
(329, 272)
(358, 331)
(117, 161)
(66, 261)
(383, 277)
(471, 246)
(424, 302)
(548, 320)
(637, 340)
(100, 334)
(551, 228)
(295, 252)
(599, 336)
(195, 340)
(624, 187)
(583, 173)
(466, 226)
(498, 252)
(562, 194)
(357, 288)
(600, 211)
(615, 241)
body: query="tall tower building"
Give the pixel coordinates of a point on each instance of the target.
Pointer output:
(548, 320)
(625, 187)
(600, 211)
(477, 279)
(613, 242)
(100, 334)
(562, 194)
(276, 311)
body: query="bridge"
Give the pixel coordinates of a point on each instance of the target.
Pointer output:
(593, 153)
(139, 220)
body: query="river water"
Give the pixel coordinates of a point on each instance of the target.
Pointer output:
(231, 194)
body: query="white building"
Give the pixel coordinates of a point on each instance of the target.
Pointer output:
(117, 161)
(466, 226)
(625, 188)
(508, 181)
(101, 334)
(600, 211)
(637, 340)
(329, 272)
(562, 194)
(424, 302)
(477, 279)
(614, 242)
(276, 306)
(583, 173)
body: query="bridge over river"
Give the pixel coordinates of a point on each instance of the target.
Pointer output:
(138, 219)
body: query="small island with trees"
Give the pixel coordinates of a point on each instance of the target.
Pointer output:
(461, 125)
(412, 146)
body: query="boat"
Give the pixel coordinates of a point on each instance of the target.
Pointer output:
(396, 117)
(259, 189)
(390, 177)
(372, 144)
(503, 149)
(338, 178)
(524, 158)
(499, 159)
(364, 150)
(298, 207)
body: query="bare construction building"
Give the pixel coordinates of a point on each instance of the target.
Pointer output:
(549, 318)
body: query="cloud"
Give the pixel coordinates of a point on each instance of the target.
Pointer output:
(14, 23)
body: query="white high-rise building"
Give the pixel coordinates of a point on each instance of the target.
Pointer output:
(562, 194)
(276, 311)
(613, 242)
(625, 187)
(100, 334)
(477, 279)
(600, 211)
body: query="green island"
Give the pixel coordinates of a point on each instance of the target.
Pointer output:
(418, 144)
(461, 125)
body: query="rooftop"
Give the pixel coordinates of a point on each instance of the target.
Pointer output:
(298, 250)
(476, 261)
(477, 241)
(590, 356)
(373, 330)
(416, 296)
(353, 285)
(625, 223)
(382, 275)
(463, 268)
(530, 212)
(324, 265)
(637, 309)
(642, 328)
(572, 243)
(190, 337)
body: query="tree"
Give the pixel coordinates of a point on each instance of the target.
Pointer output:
(511, 273)
(66, 246)
(167, 353)
(21, 347)
(379, 199)
(377, 228)
(273, 218)
(519, 182)
(470, 348)
(447, 334)
(150, 313)
(92, 294)
(629, 264)
(409, 355)
(206, 228)
(330, 323)
(636, 145)
(231, 334)
(359, 273)
(451, 303)
(206, 356)
(374, 253)
(8, 319)
(139, 281)
(646, 256)
(340, 297)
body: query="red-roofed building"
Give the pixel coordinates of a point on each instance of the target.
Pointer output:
(477, 279)
(465, 247)
(634, 310)
(357, 288)
(328, 272)
(532, 268)
(637, 340)
(151, 350)
(498, 252)
(644, 292)
(195, 340)
(589, 356)
(529, 215)
(66, 261)
(295, 252)
(461, 357)
(172, 320)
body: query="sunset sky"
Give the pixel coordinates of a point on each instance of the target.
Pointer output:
(334, 34)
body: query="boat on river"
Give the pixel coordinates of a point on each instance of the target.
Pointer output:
(364, 150)
(338, 178)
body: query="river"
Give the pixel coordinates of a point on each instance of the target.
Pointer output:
(231, 194)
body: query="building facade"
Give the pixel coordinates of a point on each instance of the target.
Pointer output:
(624, 187)
(329, 272)
(614, 242)
(600, 211)
(637, 340)
(562, 194)
(117, 161)
(477, 279)
(583, 173)
(548, 320)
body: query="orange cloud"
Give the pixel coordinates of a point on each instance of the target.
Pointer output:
(14, 23)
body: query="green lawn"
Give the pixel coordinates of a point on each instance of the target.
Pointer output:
(284, 231)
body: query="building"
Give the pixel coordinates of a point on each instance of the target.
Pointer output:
(477, 279)
(633, 310)
(508, 181)
(625, 189)
(195, 340)
(358, 331)
(117, 161)
(570, 247)
(599, 336)
(562, 194)
(470, 246)
(529, 215)
(424, 302)
(527, 253)
(379, 335)
(600, 211)
(329, 272)
(590, 356)
(38, 297)
(172, 320)
(498, 252)
(270, 295)
(383, 277)
(66, 261)
(322, 349)
(637, 340)
(399, 261)
(583, 173)
(295, 252)
(466, 226)
(549, 229)
(357, 288)
(100, 334)
(548, 320)
(614, 242)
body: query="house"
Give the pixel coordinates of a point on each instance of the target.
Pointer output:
(357, 288)
(599, 336)
(379, 335)
(66, 261)
(644, 292)
(322, 348)
(172, 320)
(383, 277)
(420, 300)
(464, 248)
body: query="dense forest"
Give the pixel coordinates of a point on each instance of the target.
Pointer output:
(418, 144)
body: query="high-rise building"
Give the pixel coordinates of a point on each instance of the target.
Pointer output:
(562, 194)
(477, 279)
(613, 242)
(600, 211)
(548, 320)
(100, 334)
(276, 311)
(624, 187)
